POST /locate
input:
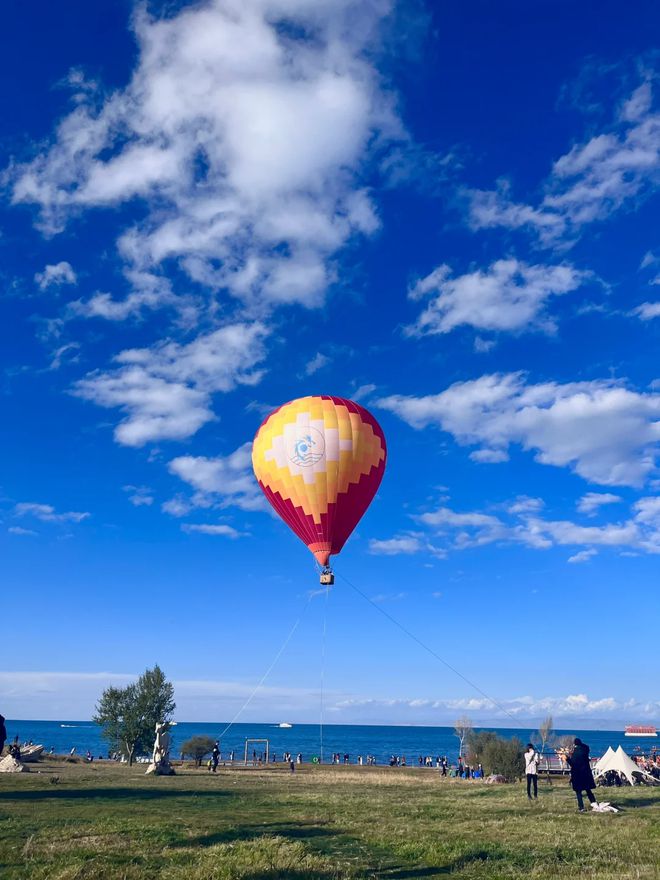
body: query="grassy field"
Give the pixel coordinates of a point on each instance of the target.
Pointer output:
(110, 821)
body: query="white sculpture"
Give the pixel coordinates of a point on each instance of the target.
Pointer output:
(160, 759)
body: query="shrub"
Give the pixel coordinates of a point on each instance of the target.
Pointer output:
(497, 754)
(197, 747)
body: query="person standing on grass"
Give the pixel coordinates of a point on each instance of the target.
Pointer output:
(3, 733)
(215, 755)
(582, 779)
(532, 759)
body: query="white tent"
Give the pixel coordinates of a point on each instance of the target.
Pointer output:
(602, 763)
(624, 766)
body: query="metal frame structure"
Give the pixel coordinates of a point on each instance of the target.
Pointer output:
(247, 743)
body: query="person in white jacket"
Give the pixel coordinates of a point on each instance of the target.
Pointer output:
(532, 759)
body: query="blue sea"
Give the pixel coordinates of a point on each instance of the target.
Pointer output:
(378, 740)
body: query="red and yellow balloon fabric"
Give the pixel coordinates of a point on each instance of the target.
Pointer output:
(319, 461)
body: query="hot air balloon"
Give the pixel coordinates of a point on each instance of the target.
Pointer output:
(319, 461)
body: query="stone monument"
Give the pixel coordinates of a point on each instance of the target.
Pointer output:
(10, 764)
(160, 759)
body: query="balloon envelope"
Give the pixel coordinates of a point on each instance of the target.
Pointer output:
(319, 461)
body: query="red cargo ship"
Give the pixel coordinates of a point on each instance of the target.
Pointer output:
(640, 730)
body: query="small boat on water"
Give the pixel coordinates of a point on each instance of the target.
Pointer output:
(284, 724)
(640, 730)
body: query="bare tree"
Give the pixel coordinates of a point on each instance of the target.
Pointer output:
(462, 729)
(546, 728)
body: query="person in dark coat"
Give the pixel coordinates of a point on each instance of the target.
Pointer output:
(3, 733)
(582, 779)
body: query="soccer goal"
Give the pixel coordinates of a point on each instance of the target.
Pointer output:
(254, 755)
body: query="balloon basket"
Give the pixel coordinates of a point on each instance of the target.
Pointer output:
(326, 577)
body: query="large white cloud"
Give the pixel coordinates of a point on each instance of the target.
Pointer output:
(165, 391)
(508, 295)
(245, 128)
(590, 182)
(602, 430)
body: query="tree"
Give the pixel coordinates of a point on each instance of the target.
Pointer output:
(546, 731)
(462, 729)
(196, 747)
(128, 716)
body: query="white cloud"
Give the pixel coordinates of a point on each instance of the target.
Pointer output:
(648, 311)
(220, 529)
(592, 501)
(525, 504)
(590, 182)
(582, 556)
(177, 506)
(64, 354)
(572, 707)
(363, 391)
(523, 524)
(407, 543)
(228, 480)
(481, 346)
(47, 513)
(139, 496)
(649, 259)
(58, 695)
(19, 530)
(245, 128)
(149, 291)
(166, 390)
(605, 432)
(56, 275)
(396, 546)
(381, 598)
(317, 363)
(509, 295)
(489, 456)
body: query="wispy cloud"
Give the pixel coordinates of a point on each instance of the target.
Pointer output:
(139, 496)
(317, 363)
(47, 513)
(593, 180)
(451, 530)
(510, 295)
(218, 529)
(19, 530)
(593, 501)
(56, 275)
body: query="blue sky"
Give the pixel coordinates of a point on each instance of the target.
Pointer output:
(448, 212)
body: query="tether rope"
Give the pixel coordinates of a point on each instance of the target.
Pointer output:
(430, 650)
(325, 620)
(270, 668)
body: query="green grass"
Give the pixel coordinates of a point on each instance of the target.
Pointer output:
(320, 823)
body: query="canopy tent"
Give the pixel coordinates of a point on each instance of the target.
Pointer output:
(602, 763)
(624, 766)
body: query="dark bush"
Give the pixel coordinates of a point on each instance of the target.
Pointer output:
(197, 747)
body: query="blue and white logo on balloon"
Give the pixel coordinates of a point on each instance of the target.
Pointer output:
(306, 448)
